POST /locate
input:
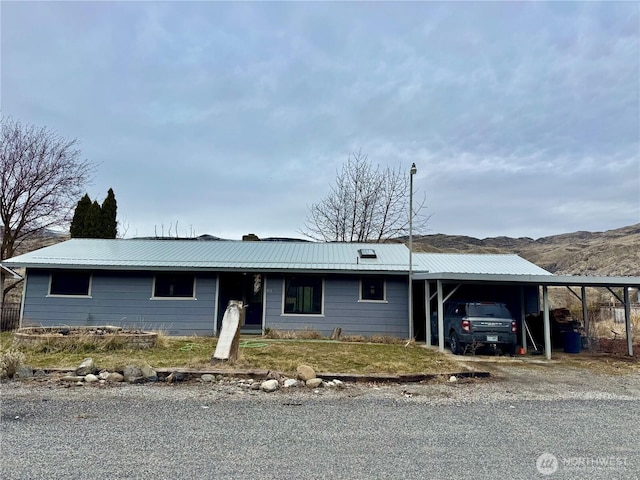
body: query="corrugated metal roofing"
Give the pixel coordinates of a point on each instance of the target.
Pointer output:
(215, 255)
(296, 256)
(264, 256)
(496, 264)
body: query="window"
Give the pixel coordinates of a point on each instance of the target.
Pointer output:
(70, 283)
(372, 289)
(174, 285)
(303, 295)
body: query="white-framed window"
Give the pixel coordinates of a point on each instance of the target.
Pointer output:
(303, 295)
(372, 289)
(70, 283)
(177, 286)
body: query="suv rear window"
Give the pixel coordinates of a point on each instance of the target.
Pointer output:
(494, 310)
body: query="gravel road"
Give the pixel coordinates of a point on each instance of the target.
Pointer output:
(586, 425)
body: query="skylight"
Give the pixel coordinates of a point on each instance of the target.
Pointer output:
(367, 253)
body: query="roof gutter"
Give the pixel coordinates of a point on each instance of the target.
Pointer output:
(11, 272)
(169, 268)
(549, 280)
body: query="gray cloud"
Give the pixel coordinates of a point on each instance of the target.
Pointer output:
(232, 117)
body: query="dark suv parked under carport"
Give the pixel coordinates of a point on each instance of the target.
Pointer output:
(476, 324)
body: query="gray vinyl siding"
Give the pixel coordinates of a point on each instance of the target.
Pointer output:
(121, 299)
(342, 308)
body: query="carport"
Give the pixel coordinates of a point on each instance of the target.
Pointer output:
(441, 286)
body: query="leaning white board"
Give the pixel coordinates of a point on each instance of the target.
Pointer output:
(229, 335)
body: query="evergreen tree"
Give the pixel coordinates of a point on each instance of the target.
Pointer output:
(77, 229)
(93, 221)
(109, 212)
(90, 220)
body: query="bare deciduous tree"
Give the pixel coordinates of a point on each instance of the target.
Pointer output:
(42, 176)
(365, 204)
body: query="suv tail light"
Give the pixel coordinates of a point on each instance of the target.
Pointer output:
(514, 327)
(466, 325)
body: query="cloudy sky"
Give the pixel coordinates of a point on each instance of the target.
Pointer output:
(229, 118)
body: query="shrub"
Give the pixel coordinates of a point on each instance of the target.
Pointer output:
(384, 339)
(10, 361)
(306, 334)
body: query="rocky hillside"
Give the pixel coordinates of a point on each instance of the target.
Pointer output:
(614, 252)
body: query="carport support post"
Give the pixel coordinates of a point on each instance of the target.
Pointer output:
(523, 330)
(585, 311)
(427, 312)
(547, 329)
(627, 321)
(440, 317)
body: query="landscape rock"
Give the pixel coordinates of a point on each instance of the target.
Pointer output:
(314, 382)
(305, 373)
(270, 385)
(90, 378)
(338, 383)
(174, 377)
(23, 371)
(290, 382)
(103, 375)
(453, 378)
(72, 378)
(133, 374)
(207, 377)
(87, 366)
(114, 377)
(39, 373)
(273, 375)
(149, 373)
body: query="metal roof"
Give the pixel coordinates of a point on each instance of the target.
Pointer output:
(215, 255)
(502, 268)
(298, 257)
(503, 264)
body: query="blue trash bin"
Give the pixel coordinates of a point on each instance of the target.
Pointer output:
(572, 342)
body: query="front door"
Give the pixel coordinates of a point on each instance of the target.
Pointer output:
(246, 287)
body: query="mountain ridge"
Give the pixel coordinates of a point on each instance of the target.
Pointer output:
(613, 252)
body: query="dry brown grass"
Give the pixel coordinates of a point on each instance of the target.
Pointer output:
(601, 363)
(305, 334)
(255, 353)
(383, 339)
(609, 329)
(285, 355)
(342, 357)
(312, 334)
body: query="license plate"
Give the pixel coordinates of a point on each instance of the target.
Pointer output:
(492, 338)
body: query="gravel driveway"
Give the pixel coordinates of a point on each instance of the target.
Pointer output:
(522, 423)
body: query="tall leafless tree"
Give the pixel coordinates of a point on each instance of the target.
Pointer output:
(42, 175)
(365, 204)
